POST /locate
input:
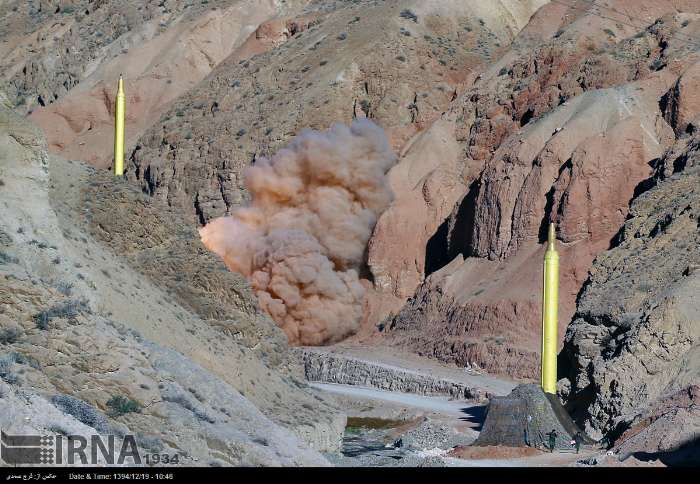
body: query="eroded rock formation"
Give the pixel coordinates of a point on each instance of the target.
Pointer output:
(567, 131)
(107, 295)
(636, 333)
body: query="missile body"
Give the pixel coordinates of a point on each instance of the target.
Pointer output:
(119, 115)
(550, 304)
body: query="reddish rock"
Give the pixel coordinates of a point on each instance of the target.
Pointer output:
(682, 102)
(563, 132)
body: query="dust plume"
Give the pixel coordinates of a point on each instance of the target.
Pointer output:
(301, 240)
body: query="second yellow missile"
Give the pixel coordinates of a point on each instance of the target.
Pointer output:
(550, 305)
(119, 124)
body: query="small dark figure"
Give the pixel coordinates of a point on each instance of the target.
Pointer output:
(552, 439)
(527, 430)
(578, 438)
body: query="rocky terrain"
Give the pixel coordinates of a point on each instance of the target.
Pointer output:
(363, 59)
(63, 60)
(634, 337)
(504, 115)
(137, 330)
(564, 131)
(335, 368)
(666, 431)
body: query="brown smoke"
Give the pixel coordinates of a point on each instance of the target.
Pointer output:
(301, 240)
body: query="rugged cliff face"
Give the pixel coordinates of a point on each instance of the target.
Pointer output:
(61, 60)
(667, 430)
(399, 63)
(106, 295)
(635, 337)
(567, 127)
(505, 115)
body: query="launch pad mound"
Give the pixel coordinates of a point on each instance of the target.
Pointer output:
(524, 418)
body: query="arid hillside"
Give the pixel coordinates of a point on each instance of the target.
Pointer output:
(106, 296)
(634, 338)
(399, 66)
(61, 60)
(567, 127)
(504, 115)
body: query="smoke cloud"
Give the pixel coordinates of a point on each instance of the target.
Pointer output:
(301, 240)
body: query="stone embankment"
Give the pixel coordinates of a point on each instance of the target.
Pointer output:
(322, 366)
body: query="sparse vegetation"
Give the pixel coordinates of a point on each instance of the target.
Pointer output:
(657, 65)
(149, 442)
(7, 361)
(195, 394)
(21, 359)
(408, 15)
(57, 429)
(6, 373)
(10, 334)
(70, 310)
(185, 403)
(342, 36)
(8, 259)
(65, 288)
(120, 405)
(261, 440)
(81, 411)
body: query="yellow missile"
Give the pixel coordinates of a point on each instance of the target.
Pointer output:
(550, 304)
(119, 114)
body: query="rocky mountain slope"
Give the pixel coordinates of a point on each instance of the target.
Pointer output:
(301, 64)
(635, 337)
(567, 127)
(666, 430)
(399, 63)
(505, 115)
(92, 310)
(61, 60)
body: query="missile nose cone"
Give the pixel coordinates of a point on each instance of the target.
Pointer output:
(120, 85)
(551, 237)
